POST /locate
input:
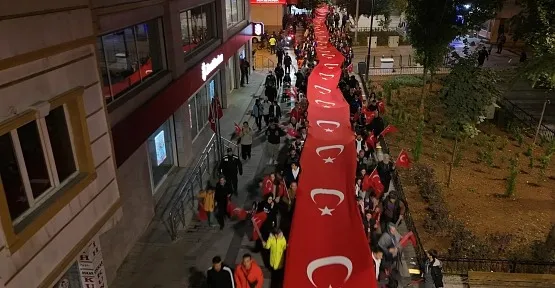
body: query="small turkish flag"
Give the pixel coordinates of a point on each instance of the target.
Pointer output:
(371, 140)
(292, 132)
(408, 238)
(381, 106)
(202, 215)
(350, 68)
(257, 221)
(403, 160)
(237, 128)
(376, 183)
(370, 115)
(389, 129)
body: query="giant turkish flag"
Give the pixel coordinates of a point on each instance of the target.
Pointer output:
(328, 246)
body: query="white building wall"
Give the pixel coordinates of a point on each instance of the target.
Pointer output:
(68, 63)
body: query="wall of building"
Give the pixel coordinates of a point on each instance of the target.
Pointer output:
(50, 51)
(269, 14)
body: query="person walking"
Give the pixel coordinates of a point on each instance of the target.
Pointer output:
(279, 54)
(277, 244)
(206, 199)
(273, 134)
(279, 74)
(287, 61)
(245, 65)
(500, 42)
(230, 166)
(219, 275)
(482, 56)
(256, 113)
(272, 42)
(246, 141)
(223, 192)
(248, 273)
(275, 111)
(432, 271)
(266, 111)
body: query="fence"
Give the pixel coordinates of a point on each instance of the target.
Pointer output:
(463, 265)
(183, 202)
(403, 71)
(529, 122)
(403, 61)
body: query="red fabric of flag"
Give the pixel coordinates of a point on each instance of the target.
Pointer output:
(376, 183)
(202, 215)
(237, 129)
(327, 210)
(389, 129)
(403, 160)
(257, 221)
(371, 140)
(381, 106)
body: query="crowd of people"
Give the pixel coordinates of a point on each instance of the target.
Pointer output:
(381, 209)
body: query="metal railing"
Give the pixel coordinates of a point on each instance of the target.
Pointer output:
(529, 122)
(262, 62)
(463, 265)
(404, 71)
(184, 200)
(406, 60)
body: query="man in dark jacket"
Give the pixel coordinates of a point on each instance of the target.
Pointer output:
(279, 74)
(229, 167)
(279, 54)
(219, 275)
(275, 110)
(245, 66)
(287, 63)
(223, 191)
(273, 134)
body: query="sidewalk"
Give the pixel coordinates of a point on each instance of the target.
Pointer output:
(163, 264)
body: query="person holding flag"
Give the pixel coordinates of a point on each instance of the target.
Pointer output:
(206, 203)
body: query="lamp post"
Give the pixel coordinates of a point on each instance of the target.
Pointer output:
(370, 40)
(541, 119)
(356, 21)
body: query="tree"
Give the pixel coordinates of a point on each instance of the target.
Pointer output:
(381, 7)
(535, 25)
(312, 4)
(433, 24)
(467, 91)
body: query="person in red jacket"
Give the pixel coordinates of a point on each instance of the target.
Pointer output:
(268, 186)
(248, 274)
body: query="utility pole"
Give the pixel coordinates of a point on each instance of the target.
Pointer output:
(541, 119)
(369, 40)
(356, 21)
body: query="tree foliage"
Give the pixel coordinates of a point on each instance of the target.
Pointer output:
(312, 4)
(467, 91)
(535, 25)
(433, 24)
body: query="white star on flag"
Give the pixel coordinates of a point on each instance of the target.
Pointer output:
(326, 211)
(328, 130)
(329, 160)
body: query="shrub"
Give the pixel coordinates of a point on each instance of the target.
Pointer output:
(437, 219)
(402, 81)
(513, 173)
(417, 151)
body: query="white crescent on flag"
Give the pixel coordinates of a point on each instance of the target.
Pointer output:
(327, 261)
(324, 148)
(334, 123)
(322, 90)
(324, 104)
(325, 76)
(320, 191)
(331, 65)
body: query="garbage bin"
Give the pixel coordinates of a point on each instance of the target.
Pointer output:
(361, 68)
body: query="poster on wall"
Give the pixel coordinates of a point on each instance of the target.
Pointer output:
(91, 266)
(212, 90)
(160, 146)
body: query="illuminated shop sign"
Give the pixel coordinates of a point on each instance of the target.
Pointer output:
(257, 29)
(207, 68)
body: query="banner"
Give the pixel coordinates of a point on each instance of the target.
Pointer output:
(328, 246)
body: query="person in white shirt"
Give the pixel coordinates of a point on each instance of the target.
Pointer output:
(377, 256)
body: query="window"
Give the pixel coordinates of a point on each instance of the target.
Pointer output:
(130, 56)
(198, 26)
(160, 150)
(199, 107)
(46, 162)
(235, 11)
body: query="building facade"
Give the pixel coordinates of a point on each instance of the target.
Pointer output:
(492, 28)
(105, 104)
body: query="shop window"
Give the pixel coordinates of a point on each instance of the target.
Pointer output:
(42, 157)
(161, 153)
(70, 279)
(129, 57)
(199, 107)
(235, 11)
(198, 26)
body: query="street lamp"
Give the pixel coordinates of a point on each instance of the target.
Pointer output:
(370, 40)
